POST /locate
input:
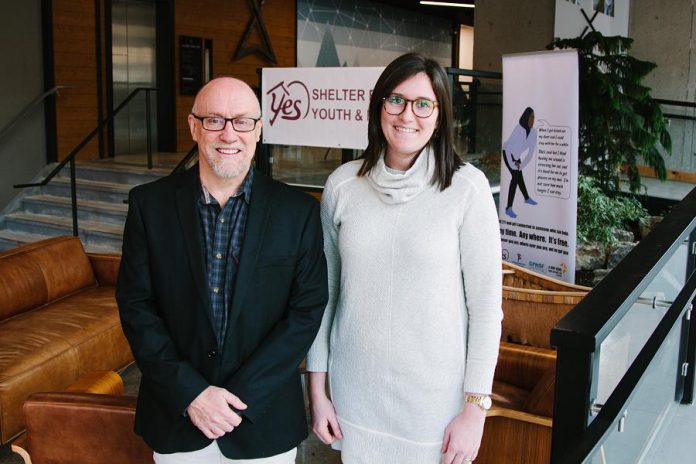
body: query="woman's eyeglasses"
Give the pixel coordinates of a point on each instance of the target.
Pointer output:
(421, 107)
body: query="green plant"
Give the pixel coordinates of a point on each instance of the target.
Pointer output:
(619, 120)
(599, 214)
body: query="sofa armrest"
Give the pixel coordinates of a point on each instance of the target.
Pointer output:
(105, 268)
(522, 365)
(93, 428)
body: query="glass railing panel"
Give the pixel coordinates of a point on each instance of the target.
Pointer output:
(681, 124)
(620, 348)
(633, 439)
(478, 115)
(307, 166)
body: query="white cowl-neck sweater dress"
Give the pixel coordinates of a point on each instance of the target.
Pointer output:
(414, 312)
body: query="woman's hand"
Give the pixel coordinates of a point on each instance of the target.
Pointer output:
(324, 421)
(463, 436)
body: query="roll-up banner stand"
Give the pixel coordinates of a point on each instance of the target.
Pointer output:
(539, 165)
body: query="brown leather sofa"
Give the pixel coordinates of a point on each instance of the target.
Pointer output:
(58, 322)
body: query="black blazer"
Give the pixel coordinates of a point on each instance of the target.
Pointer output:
(276, 311)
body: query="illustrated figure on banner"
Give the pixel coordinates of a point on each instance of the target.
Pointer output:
(518, 151)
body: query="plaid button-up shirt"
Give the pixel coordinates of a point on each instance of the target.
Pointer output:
(223, 232)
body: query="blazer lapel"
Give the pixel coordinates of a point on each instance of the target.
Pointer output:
(189, 219)
(253, 238)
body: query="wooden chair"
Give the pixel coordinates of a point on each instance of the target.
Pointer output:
(82, 425)
(518, 426)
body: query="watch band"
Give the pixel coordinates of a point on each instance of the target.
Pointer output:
(482, 401)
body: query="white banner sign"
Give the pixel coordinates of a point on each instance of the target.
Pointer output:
(319, 107)
(539, 166)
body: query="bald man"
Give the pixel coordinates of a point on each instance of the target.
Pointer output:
(221, 292)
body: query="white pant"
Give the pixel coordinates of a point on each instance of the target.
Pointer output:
(211, 454)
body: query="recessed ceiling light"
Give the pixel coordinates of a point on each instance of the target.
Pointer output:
(459, 5)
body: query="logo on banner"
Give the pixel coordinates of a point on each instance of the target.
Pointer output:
(290, 102)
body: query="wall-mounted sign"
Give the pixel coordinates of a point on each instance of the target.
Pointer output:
(190, 64)
(318, 107)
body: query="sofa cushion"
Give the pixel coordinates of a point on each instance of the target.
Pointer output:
(48, 348)
(23, 285)
(41, 272)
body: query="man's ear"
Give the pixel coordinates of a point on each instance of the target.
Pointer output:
(192, 127)
(258, 128)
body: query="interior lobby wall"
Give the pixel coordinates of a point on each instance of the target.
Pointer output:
(225, 22)
(74, 61)
(663, 33)
(23, 150)
(510, 26)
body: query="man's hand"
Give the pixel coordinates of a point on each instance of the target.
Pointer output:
(463, 436)
(211, 412)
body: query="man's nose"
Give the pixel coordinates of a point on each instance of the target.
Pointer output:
(228, 133)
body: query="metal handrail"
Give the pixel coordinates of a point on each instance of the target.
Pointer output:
(579, 334)
(73, 153)
(182, 164)
(30, 106)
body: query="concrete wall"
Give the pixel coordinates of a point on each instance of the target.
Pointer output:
(510, 26)
(22, 151)
(663, 32)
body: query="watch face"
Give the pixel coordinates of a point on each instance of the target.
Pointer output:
(487, 402)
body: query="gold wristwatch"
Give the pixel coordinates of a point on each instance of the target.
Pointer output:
(482, 401)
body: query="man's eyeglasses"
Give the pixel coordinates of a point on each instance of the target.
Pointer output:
(421, 107)
(218, 123)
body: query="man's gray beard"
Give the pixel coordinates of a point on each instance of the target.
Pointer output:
(225, 174)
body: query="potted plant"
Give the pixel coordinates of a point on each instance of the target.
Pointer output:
(620, 123)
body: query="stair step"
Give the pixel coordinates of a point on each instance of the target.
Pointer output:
(88, 189)
(87, 210)
(92, 232)
(10, 239)
(115, 172)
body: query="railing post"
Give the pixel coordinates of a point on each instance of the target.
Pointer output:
(73, 195)
(149, 133)
(689, 350)
(473, 101)
(571, 400)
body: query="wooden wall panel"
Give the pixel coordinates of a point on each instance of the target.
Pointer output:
(75, 65)
(224, 22)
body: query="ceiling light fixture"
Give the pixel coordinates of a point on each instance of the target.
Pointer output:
(459, 5)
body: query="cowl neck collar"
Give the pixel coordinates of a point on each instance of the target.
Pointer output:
(399, 187)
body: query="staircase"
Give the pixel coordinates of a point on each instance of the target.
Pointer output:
(102, 187)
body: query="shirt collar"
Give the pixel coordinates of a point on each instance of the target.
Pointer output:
(207, 198)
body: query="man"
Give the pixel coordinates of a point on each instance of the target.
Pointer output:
(221, 292)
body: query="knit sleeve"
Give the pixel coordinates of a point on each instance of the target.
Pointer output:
(318, 356)
(481, 262)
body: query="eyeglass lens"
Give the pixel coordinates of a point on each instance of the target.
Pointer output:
(238, 124)
(421, 107)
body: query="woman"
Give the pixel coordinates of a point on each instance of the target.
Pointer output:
(410, 335)
(522, 139)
